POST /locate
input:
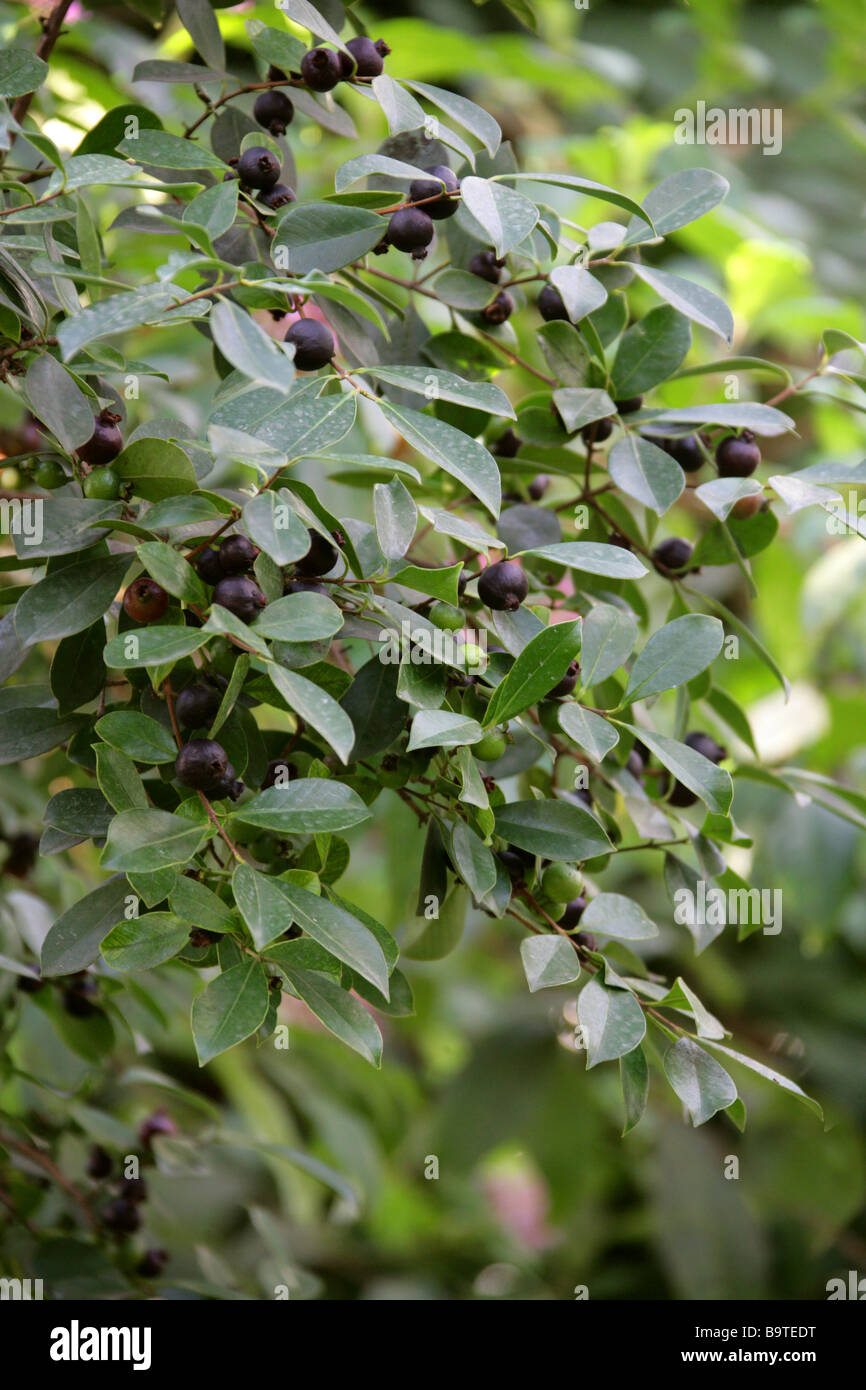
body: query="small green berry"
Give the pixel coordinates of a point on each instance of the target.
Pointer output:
(450, 619)
(102, 483)
(48, 475)
(561, 882)
(490, 747)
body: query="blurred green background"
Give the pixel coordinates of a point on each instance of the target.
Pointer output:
(536, 1192)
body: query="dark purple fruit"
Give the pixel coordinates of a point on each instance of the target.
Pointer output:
(573, 913)
(133, 1189)
(629, 406)
(319, 559)
(197, 704)
(508, 444)
(686, 450)
(738, 456)
(208, 567)
(422, 189)
(201, 764)
(551, 304)
(321, 69)
(706, 745)
(567, 684)
(304, 586)
(236, 554)
(313, 342)
(106, 441)
(515, 862)
(673, 554)
(241, 596)
(152, 1263)
(99, 1163)
(279, 768)
(274, 111)
(121, 1217)
(229, 785)
(411, 229)
(499, 309)
(597, 432)
(368, 56)
(586, 939)
(157, 1123)
(487, 265)
(258, 167)
(23, 852)
(277, 197)
(503, 586)
(145, 600)
(538, 487)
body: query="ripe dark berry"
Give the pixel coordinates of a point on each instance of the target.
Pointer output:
(680, 796)
(634, 763)
(573, 913)
(121, 1217)
(274, 111)
(145, 600)
(321, 557)
(99, 1163)
(236, 554)
(313, 342)
(77, 1005)
(28, 984)
(101, 483)
(597, 432)
(279, 771)
(551, 305)
(586, 938)
(304, 586)
(258, 167)
(515, 862)
(157, 1123)
(500, 309)
(275, 74)
(199, 938)
(629, 406)
(368, 56)
(277, 197)
(686, 450)
(748, 506)
(503, 586)
(738, 456)
(486, 265)
(706, 745)
(197, 704)
(228, 785)
(321, 69)
(411, 229)
(672, 555)
(152, 1263)
(241, 596)
(23, 851)
(202, 764)
(106, 441)
(567, 684)
(538, 487)
(508, 444)
(133, 1189)
(444, 206)
(208, 567)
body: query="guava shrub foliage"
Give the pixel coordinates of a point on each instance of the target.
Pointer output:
(509, 633)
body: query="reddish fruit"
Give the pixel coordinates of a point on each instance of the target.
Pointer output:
(106, 441)
(145, 600)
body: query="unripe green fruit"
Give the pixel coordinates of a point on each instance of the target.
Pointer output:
(490, 748)
(562, 882)
(595, 866)
(102, 483)
(548, 714)
(450, 619)
(48, 475)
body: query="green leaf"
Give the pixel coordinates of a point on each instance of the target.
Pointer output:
(299, 618)
(158, 70)
(507, 217)
(58, 401)
(25, 733)
(324, 236)
(450, 449)
(276, 528)
(79, 811)
(473, 860)
(439, 385)
(339, 932)
(634, 1075)
(679, 199)
(169, 568)
(548, 961)
(215, 209)
(645, 472)
(461, 290)
(77, 669)
(650, 351)
(701, 1084)
(276, 46)
(200, 22)
(588, 730)
(612, 914)
(118, 313)
(143, 739)
(693, 300)
(441, 584)
(608, 637)
(316, 707)
(140, 943)
(153, 646)
(539, 667)
(118, 780)
(229, 1009)
(712, 784)
(338, 1010)
(20, 72)
(247, 346)
(761, 419)
(769, 1074)
(582, 405)
(442, 728)
(396, 517)
(585, 186)
(579, 290)
(169, 151)
(592, 557)
(262, 904)
(143, 841)
(371, 703)
(556, 829)
(473, 118)
(747, 635)
(69, 599)
(675, 654)
(73, 941)
(611, 1020)
(157, 469)
(307, 806)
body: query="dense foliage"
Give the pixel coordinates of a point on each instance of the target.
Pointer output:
(513, 635)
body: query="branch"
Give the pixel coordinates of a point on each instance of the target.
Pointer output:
(51, 28)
